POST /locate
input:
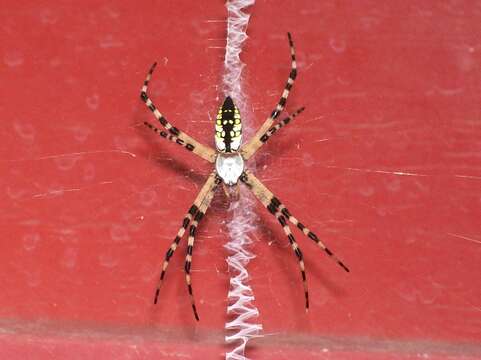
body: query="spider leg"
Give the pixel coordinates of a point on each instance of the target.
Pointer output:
(295, 248)
(255, 143)
(169, 137)
(308, 233)
(263, 139)
(208, 186)
(191, 144)
(190, 245)
(273, 204)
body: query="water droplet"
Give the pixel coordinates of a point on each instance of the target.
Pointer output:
(69, 258)
(13, 58)
(92, 101)
(119, 233)
(65, 163)
(25, 130)
(30, 241)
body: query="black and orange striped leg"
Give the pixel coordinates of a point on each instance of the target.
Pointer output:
(208, 186)
(267, 135)
(295, 248)
(273, 203)
(190, 244)
(169, 137)
(305, 230)
(290, 81)
(197, 148)
(255, 143)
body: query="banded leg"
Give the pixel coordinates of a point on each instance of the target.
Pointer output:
(251, 147)
(272, 203)
(169, 137)
(295, 248)
(279, 125)
(199, 149)
(190, 245)
(309, 233)
(208, 186)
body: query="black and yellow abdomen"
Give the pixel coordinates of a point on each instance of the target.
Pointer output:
(228, 127)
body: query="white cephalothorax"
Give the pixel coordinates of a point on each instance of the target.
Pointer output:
(229, 167)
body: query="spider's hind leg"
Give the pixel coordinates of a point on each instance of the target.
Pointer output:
(190, 245)
(194, 209)
(310, 235)
(272, 203)
(295, 248)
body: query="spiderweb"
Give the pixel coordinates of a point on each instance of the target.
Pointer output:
(241, 309)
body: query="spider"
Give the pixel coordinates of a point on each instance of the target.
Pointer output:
(229, 160)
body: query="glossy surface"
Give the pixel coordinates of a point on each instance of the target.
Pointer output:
(229, 167)
(384, 165)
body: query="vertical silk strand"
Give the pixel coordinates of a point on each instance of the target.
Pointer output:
(241, 310)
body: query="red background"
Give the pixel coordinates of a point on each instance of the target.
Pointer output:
(385, 165)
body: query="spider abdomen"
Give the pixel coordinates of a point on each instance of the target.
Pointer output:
(228, 127)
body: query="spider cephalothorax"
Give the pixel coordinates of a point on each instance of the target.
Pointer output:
(229, 169)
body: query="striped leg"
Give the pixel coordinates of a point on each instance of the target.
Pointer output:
(208, 186)
(295, 248)
(251, 147)
(308, 233)
(273, 204)
(197, 148)
(190, 245)
(170, 137)
(279, 125)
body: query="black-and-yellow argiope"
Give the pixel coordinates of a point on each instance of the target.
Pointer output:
(229, 169)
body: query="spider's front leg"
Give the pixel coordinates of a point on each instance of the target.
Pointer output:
(174, 135)
(257, 141)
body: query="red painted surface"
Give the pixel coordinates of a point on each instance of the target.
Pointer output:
(385, 165)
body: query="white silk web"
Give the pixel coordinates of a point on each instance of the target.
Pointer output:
(241, 310)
